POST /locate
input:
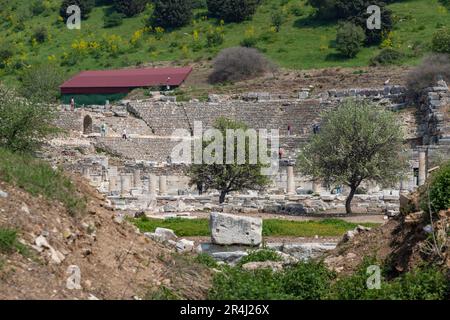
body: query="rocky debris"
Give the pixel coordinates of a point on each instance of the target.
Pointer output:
(301, 251)
(414, 218)
(42, 245)
(274, 265)
(25, 209)
(349, 235)
(184, 245)
(162, 235)
(231, 257)
(229, 229)
(119, 219)
(3, 194)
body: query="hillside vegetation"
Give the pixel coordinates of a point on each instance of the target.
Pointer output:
(285, 30)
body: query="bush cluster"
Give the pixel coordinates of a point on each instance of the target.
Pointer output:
(313, 281)
(130, 8)
(349, 39)
(439, 191)
(171, 13)
(239, 63)
(386, 57)
(232, 10)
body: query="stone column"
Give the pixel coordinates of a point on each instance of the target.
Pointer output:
(422, 167)
(87, 173)
(290, 180)
(122, 185)
(112, 183)
(317, 186)
(162, 185)
(152, 185)
(137, 183)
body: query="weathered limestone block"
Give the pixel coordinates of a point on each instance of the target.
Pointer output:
(229, 229)
(185, 246)
(162, 235)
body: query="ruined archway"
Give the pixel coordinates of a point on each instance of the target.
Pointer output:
(87, 125)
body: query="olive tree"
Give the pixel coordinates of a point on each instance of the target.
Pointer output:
(358, 142)
(226, 176)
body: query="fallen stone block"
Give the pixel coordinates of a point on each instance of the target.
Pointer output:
(184, 245)
(227, 229)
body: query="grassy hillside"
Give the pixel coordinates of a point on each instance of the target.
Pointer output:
(302, 42)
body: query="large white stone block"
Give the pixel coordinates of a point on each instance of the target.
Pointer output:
(228, 229)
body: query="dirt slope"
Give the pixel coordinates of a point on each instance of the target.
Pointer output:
(115, 261)
(399, 244)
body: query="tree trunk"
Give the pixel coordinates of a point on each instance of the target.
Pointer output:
(348, 203)
(223, 194)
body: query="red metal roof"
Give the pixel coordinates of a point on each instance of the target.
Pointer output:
(127, 78)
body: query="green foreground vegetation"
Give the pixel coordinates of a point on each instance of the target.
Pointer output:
(10, 244)
(271, 227)
(313, 281)
(39, 178)
(298, 41)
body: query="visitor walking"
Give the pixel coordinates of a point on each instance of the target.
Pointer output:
(103, 130)
(72, 104)
(124, 134)
(289, 129)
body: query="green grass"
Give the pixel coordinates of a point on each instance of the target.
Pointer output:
(38, 178)
(302, 43)
(9, 242)
(271, 227)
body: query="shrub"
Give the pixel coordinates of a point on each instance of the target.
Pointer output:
(37, 7)
(249, 42)
(6, 53)
(41, 82)
(439, 190)
(238, 63)
(23, 124)
(441, 41)
(113, 20)
(40, 34)
(86, 7)
(172, 13)
(307, 281)
(130, 8)
(9, 243)
(428, 73)
(277, 20)
(214, 37)
(260, 256)
(232, 10)
(425, 283)
(349, 39)
(386, 56)
(238, 284)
